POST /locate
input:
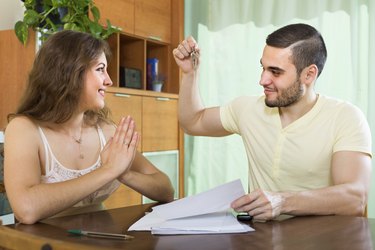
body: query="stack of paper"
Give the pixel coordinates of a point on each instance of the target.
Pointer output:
(205, 213)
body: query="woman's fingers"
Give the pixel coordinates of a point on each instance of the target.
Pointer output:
(118, 136)
(124, 132)
(134, 140)
(128, 132)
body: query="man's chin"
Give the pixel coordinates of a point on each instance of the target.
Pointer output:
(271, 104)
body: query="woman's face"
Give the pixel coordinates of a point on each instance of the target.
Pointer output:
(96, 82)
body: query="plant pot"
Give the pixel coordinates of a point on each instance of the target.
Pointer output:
(157, 87)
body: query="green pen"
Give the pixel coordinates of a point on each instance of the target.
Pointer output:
(100, 234)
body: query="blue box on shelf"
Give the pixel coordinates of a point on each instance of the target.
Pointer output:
(152, 71)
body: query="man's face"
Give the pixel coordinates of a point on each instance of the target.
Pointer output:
(282, 86)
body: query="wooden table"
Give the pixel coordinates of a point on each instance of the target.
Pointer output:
(312, 232)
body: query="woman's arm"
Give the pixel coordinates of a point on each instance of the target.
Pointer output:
(146, 179)
(32, 200)
(143, 176)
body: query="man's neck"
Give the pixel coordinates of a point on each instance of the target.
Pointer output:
(295, 111)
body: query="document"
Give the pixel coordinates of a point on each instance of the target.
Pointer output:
(205, 213)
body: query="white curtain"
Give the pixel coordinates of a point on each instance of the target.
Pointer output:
(231, 35)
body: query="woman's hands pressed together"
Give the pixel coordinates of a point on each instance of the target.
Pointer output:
(119, 152)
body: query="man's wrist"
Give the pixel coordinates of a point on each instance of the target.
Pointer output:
(285, 203)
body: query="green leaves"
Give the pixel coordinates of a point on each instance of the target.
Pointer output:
(110, 30)
(50, 16)
(95, 13)
(71, 26)
(95, 29)
(31, 17)
(22, 31)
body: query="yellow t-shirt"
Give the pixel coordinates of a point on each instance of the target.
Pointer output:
(297, 157)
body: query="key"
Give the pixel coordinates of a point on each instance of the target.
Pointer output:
(194, 58)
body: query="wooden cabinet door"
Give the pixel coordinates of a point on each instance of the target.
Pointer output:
(122, 105)
(160, 124)
(119, 12)
(123, 197)
(152, 19)
(16, 61)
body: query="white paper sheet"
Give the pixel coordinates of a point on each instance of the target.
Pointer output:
(211, 201)
(214, 223)
(204, 213)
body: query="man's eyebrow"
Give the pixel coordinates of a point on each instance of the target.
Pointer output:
(274, 68)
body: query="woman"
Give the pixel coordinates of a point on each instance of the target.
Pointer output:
(62, 153)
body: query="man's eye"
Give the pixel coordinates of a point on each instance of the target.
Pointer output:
(275, 72)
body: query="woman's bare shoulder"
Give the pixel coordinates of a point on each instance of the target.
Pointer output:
(21, 132)
(21, 123)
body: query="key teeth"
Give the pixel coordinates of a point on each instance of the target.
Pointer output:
(194, 58)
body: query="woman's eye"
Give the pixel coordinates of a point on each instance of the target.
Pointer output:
(101, 69)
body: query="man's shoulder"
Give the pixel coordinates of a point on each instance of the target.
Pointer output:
(337, 104)
(341, 109)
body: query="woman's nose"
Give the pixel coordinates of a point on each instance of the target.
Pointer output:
(108, 81)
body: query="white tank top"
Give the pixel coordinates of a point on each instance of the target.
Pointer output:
(56, 172)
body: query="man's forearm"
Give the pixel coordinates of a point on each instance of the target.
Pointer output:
(343, 199)
(190, 104)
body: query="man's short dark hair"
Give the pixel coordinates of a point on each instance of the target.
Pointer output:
(306, 43)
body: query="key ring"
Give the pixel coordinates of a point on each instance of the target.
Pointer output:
(194, 57)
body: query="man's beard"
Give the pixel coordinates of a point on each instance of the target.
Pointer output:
(288, 96)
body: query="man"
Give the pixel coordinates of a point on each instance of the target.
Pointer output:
(308, 154)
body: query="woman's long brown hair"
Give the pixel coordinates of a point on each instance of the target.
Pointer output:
(57, 77)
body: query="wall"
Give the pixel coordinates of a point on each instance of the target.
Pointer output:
(10, 12)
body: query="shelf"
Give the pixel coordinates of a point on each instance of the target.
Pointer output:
(130, 54)
(141, 92)
(150, 29)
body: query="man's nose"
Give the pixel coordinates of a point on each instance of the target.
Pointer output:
(265, 79)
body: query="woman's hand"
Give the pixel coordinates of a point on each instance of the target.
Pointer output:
(119, 152)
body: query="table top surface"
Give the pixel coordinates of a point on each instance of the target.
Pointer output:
(308, 232)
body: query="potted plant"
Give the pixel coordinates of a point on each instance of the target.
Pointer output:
(157, 83)
(50, 16)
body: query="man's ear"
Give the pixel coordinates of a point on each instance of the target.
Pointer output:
(309, 74)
